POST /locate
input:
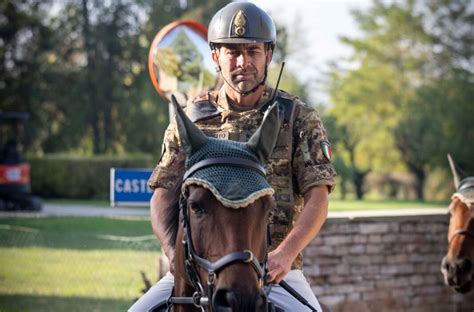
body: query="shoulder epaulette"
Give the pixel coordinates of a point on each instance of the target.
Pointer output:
(202, 107)
(201, 97)
(286, 107)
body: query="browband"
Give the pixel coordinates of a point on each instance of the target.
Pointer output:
(229, 161)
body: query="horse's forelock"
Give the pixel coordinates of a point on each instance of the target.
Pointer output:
(466, 198)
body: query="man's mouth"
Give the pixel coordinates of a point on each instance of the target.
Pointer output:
(243, 76)
(244, 72)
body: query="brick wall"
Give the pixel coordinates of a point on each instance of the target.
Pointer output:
(383, 264)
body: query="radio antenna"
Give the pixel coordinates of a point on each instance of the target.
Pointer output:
(278, 82)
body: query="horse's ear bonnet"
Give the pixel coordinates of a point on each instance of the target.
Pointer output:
(234, 186)
(464, 184)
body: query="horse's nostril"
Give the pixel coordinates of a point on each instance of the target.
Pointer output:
(231, 299)
(221, 300)
(445, 266)
(466, 265)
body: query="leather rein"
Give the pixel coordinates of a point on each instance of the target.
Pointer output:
(463, 187)
(192, 261)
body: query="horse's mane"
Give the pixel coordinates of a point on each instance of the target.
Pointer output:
(172, 213)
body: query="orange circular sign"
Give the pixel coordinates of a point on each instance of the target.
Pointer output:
(179, 60)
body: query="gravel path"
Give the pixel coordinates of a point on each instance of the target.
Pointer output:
(56, 210)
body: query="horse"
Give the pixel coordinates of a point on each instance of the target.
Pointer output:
(222, 235)
(457, 266)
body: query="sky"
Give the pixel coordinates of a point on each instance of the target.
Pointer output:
(315, 26)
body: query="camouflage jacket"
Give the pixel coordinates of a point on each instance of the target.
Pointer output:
(297, 163)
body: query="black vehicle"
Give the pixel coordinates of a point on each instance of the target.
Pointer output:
(15, 188)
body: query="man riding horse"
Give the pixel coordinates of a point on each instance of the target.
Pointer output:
(242, 38)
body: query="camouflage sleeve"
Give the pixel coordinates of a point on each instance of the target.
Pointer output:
(170, 167)
(312, 152)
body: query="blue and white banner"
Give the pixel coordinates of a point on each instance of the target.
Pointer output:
(129, 187)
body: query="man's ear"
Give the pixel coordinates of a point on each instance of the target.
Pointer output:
(214, 56)
(269, 56)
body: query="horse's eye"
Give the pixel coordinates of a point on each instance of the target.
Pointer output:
(197, 208)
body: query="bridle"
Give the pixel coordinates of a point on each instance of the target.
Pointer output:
(192, 261)
(465, 185)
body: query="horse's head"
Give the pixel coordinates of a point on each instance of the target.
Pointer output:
(224, 211)
(458, 264)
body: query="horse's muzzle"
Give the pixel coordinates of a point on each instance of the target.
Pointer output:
(458, 274)
(226, 300)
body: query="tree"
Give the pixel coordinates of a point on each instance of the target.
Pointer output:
(452, 89)
(379, 100)
(416, 139)
(26, 45)
(79, 68)
(363, 116)
(342, 150)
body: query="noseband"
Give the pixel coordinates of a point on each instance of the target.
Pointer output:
(465, 232)
(463, 187)
(192, 261)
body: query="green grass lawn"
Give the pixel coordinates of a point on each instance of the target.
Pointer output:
(74, 264)
(93, 264)
(354, 205)
(335, 204)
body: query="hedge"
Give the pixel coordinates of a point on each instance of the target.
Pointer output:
(66, 176)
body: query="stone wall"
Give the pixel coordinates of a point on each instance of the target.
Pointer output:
(383, 264)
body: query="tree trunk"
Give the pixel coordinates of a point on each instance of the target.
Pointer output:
(359, 180)
(358, 176)
(92, 103)
(343, 189)
(420, 175)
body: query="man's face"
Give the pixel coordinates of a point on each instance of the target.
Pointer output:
(242, 65)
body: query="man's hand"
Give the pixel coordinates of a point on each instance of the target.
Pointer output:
(279, 264)
(305, 229)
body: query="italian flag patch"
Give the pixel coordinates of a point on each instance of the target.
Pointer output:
(326, 148)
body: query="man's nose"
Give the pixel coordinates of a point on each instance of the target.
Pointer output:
(242, 60)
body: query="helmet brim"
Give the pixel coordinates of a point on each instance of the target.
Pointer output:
(238, 40)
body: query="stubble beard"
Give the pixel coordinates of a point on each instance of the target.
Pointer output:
(246, 84)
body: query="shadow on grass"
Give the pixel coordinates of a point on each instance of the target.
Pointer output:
(16, 303)
(77, 242)
(78, 233)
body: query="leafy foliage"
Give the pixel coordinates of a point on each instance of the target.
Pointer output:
(79, 68)
(393, 105)
(69, 176)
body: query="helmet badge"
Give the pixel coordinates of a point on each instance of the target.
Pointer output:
(239, 23)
